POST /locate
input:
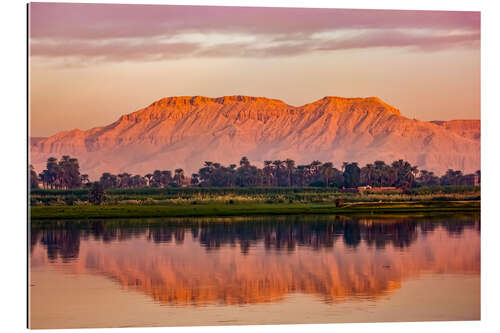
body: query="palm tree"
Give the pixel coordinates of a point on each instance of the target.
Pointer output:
(244, 175)
(195, 179)
(61, 174)
(290, 168)
(367, 174)
(314, 169)
(137, 181)
(277, 171)
(44, 177)
(230, 174)
(382, 174)
(326, 171)
(268, 172)
(165, 177)
(427, 178)
(244, 162)
(405, 173)
(148, 177)
(302, 174)
(53, 172)
(85, 179)
(124, 180)
(352, 175)
(33, 178)
(73, 171)
(452, 177)
(108, 180)
(179, 176)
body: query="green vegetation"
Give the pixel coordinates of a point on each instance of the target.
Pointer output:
(400, 175)
(274, 195)
(246, 209)
(96, 193)
(188, 201)
(279, 188)
(448, 218)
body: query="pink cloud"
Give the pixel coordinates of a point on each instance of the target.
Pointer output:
(105, 31)
(60, 20)
(113, 51)
(400, 39)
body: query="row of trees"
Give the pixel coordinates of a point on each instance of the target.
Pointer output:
(156, 179)
(399, 174)
(65, 174)
(59, 174)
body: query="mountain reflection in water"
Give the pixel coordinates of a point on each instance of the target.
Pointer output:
(256, 260)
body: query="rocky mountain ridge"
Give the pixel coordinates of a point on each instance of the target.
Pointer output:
(183, 132)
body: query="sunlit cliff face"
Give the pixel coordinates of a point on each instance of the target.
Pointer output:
(234, 263)
(182, 132)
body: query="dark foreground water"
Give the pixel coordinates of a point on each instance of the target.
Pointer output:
(265, 270)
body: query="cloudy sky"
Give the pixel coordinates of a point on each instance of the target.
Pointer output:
(91, 63)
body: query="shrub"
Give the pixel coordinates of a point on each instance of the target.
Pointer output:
(70, 199)
(318, 183)
(96, 193)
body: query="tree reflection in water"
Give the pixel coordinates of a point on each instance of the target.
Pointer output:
(249, 260)
(276, 233)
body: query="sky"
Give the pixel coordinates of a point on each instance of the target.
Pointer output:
(91, 63)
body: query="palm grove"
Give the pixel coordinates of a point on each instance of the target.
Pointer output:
(65, 174)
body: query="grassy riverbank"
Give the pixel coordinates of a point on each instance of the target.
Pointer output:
(248, 209)
(247, 195)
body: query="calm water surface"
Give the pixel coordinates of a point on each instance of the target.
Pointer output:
(265, 270)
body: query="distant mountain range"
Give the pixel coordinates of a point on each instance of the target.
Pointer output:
(183, 132)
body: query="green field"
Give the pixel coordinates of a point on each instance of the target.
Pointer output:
(190, 195)
(195, 201)
(247, 209)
